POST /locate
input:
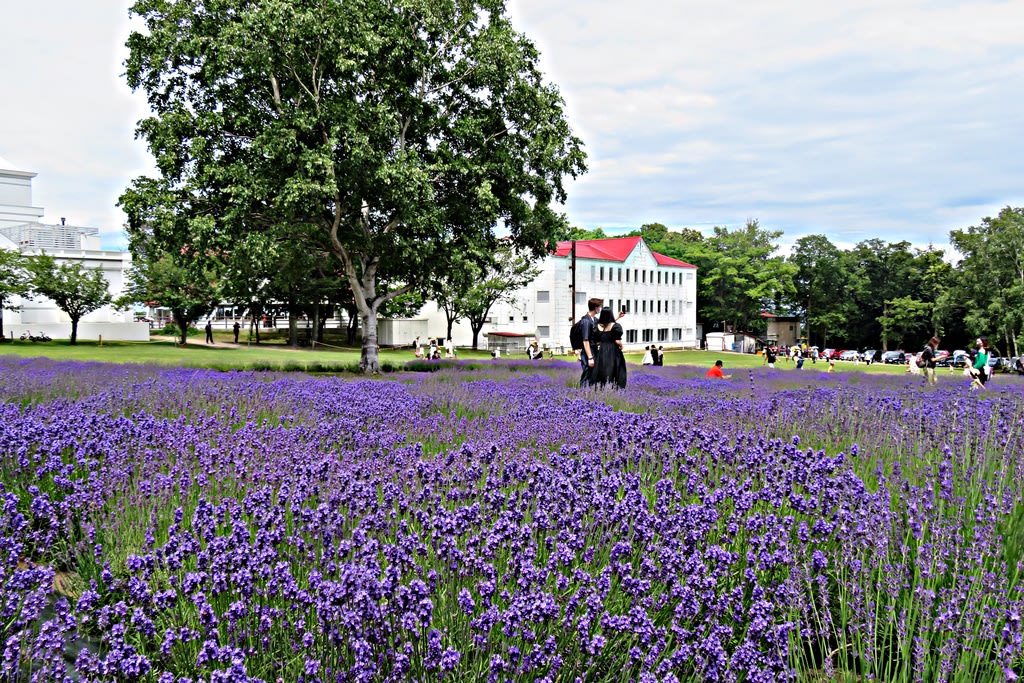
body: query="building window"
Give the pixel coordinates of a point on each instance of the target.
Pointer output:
(652, 305)
(526, 318)
(620, 274)
(648, 335)
(581, 298)
(511, 318)
(659, 306)
(673, 278)
(643, 276)
(663, 334)
(659, 277)
(643, 305)
(543, 331)
(636, 275)
(689, 305)
(627, 274)
(666, 305)
(689, 275)
(602, 273)
(631, 336)
(636, 305)
(677, 333)
(543, 296)
(593, 273)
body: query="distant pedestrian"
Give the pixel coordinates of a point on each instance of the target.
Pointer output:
(655, 356)
(648, 356)
(660, 360)
(209, 332)
(770, 356)
(235, 328)
(927, 360)
(417, 347)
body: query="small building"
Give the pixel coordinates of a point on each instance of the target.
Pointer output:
(782, 329)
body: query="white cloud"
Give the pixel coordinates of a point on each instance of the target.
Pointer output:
(876, 118)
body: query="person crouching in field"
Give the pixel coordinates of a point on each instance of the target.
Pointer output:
(716, 372)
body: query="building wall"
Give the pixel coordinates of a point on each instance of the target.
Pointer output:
(16, 197)
(21, 230)
(661, 301)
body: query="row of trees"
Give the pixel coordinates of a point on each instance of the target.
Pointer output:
(365, 155)
(75, 289)
(877, 293)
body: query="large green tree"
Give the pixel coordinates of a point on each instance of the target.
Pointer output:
(821, 288)
(740, 275)
(175, 282)
(991, 277)
(75, 289)
(507, 272)
(402, 131)
(14, 281)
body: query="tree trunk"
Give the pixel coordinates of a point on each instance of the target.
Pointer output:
(368, 360)
(885, 338)
(351, 326)
(2, 321)
(183, 326)
(476, 332)
(293, 328)
(74, 331)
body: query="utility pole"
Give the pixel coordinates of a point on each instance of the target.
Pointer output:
(572, 282)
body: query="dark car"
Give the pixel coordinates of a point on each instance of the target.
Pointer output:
(1017, 365)
(957, 359)
(894, 357)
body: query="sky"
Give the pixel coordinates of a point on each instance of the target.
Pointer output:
(890, 119)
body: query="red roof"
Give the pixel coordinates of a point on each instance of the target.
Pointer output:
(669, 261)
(613, 249)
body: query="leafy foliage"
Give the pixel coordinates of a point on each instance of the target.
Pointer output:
(75, 289)
(14, 281)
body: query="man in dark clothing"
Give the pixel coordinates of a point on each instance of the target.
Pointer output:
(587, 354)
(236, 327)
(660, 358)
(209, 332)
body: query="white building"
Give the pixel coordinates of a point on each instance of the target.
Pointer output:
(659, 294)
(22, 230)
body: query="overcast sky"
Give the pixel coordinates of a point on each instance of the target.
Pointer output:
(897, 119)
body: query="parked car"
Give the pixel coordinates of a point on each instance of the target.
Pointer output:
(894, 357)
(940, 354)
(957, 358)
(1017, 365)
(851, 354)
(871, 356)
(836, 353)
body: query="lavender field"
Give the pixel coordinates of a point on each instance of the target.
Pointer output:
(498, 524)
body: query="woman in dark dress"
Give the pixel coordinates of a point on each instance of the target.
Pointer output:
(610, 367)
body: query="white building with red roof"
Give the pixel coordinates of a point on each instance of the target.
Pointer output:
(659, 294)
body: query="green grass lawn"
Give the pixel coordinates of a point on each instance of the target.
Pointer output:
(275, 355)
